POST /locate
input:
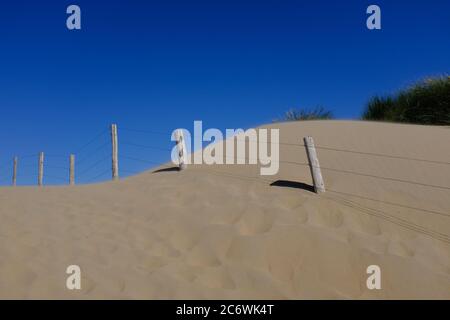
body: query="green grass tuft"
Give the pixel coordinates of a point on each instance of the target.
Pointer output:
(427, 102)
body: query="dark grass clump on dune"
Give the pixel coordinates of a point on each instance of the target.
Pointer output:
(427, 102)
(318, 113)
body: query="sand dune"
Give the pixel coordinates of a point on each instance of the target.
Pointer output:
(223, 232)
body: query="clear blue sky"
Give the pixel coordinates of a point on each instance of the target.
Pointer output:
(159, 65)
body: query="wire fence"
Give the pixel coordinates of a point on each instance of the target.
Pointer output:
(93, 159)
(142, 149)
(365, 209)
(95, 155)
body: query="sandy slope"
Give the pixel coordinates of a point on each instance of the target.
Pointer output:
(208, 232)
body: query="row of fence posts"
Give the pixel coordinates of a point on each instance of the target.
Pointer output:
(313, 160)
(114, 157)
(41, 157)
(40, 179)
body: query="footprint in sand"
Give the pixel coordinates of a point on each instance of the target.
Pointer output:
(148, 264)
(202, 255)
(255, 220)
(185, 235)
(330, 217)
(356, 221)
(163, 249)
(369, 242)
(399, 248)
(216, 278)
(290, 201)
(221, 215)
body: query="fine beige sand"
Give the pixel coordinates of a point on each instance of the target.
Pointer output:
(223, 232)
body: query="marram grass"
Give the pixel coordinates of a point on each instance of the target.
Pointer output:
(427, 102)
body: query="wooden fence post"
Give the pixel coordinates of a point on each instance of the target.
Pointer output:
(181, 146)
(115, 160)
(41, 168)
(14, 177)
(72, 170)
(314, 165)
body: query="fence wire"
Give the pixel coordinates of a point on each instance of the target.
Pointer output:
(94, 166)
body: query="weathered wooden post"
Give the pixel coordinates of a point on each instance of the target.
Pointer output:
(41, 168)
(72, 170)
(14, 177)
(314, 165)
(115, 160)
(181, 147)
